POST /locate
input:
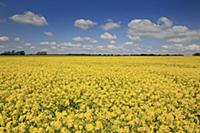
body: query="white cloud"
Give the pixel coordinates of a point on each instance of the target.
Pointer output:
(165, 22)
(110, 25)
(179, 29)
(53, 47)
(17, 39)
(48, 33)
(176, 40)
(4, 38)
(193, 47)
(29, 17)
(134, 38)
(179, 48)
(65, 46)
(162, 30)
(110, 46)
(143, 25)
(165, 46)
(112, 42)
(129, 43)
(48, 43)
(28, 44)
(108, 36)
(69, 44)
(84, 24)
(178, 45)
(44, 43)
(84, 39)
(32, 47)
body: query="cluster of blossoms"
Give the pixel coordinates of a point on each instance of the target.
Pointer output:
(99, 94)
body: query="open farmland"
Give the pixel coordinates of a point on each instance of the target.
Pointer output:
(99, 94)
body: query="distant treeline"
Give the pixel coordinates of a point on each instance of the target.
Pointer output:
(117, 54)
(196, 54)
(13, 52)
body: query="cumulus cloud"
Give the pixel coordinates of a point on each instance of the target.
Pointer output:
(165, 46)
(32, 47)
(179, 29)
(108, 36)
(165, 22)
(4, 38)
(143, 26)
(29, 17)
(69, 44)
(84, 39)
(54, 47)
(112, 41)
(28, 44)
(180, 48)
(84, 24)
(48, 43)
(176, 39)
(17, 39)
(110, 46)
(177, 34)
(193, 47)
(178, 45)
(44, 43)
(48, 33)
(75, 47)
(128, 43)
(110, 25)
(134, 38)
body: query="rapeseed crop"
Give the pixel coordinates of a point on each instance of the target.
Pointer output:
(99, 94)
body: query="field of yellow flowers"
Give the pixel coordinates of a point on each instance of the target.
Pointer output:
(99, 94)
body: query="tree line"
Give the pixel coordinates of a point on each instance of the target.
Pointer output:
(13, 52)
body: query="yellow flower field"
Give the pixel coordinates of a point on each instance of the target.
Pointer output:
(99, 94)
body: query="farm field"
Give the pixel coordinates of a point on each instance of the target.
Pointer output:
(99, 94)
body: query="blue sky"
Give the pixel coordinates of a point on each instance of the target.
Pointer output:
(103, 26)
